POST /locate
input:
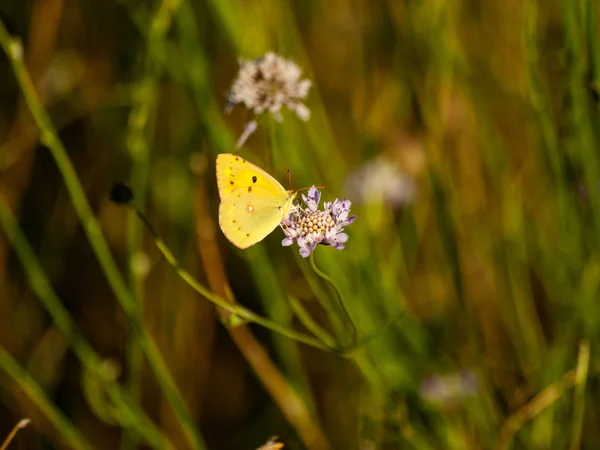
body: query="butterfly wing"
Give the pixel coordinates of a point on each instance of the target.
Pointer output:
(247, 217)
(253, 203)
(234, 172)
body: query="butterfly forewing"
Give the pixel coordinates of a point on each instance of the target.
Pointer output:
(234, 172)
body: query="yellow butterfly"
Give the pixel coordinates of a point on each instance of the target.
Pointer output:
(253, 203)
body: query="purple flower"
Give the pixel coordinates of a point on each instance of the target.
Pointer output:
(449, 389)
(310, 227)
(381, 180)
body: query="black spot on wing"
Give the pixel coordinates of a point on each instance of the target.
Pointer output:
(254, 179)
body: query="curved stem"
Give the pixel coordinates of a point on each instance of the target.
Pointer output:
(141, 125)
(236, 309)
(21, 424)
(310, 324)
(340, 300)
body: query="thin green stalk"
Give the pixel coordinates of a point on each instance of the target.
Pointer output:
(141, 118)
(240, 311)
(532, 409)
(310, 324)
(340, 300)
(197, 72)
(48, 136)
(42, 288)
(581, 374)
(273, 147)
(273, 296)
(594, 50)
(89, 359)
(577, 112)
(320, 292)
(539, 103)
(61, 423)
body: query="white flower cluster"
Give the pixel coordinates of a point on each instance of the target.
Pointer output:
(267, 84)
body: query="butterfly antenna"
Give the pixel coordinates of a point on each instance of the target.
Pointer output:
(307, 188)
(290, 178)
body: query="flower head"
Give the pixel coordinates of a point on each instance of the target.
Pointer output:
(310, 227)
(268, 83)
(447, 390)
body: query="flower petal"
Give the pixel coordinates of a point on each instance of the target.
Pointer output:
(314, 194)
(340, 238)
(305, 252)
(248, 130)
(312, 199)
(301, 111)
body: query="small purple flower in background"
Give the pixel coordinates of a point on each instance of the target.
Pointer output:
(310, 227)
(447, 390)
(381, 180)
(266, 84)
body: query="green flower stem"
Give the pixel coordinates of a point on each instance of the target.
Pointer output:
(309, 322)
(273, 140)
(579, 397)
(240, 311)
(534, 408)
(61, 423)
(49, 138)
(141, 121)
(321, 294)
(89, 359)
(540, 103)
(340, 300)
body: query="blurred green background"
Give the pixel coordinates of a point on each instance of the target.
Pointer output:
(472, 272)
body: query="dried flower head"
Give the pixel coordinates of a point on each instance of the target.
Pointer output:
(267, 84)
(381, 180)
(310, 227)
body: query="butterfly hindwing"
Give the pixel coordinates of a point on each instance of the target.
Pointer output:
(248, 217)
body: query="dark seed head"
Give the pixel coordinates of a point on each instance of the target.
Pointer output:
(121, 193)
